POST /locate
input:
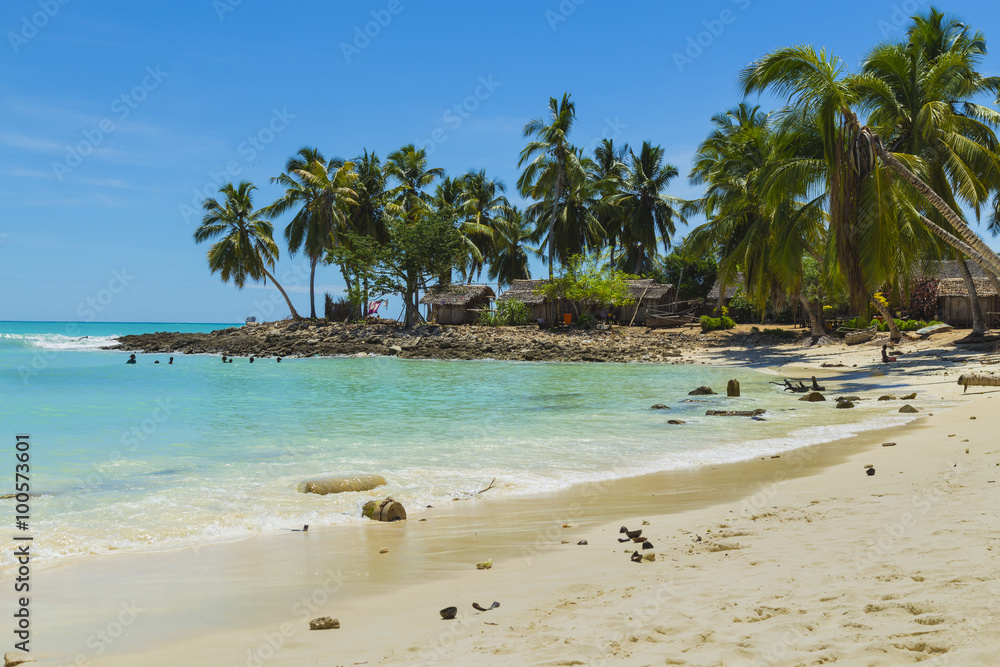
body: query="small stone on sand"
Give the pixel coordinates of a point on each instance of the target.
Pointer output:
(384, 550)
(324, 623)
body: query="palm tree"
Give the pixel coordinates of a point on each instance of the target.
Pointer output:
(509, 259)
(576, 229)
(307, 229)
(482, 208)
(367, 216)
(815, 84)
(648, 214)
(247, 246)
(607, 172)
(758, 172)
(408, 167)
(549, 162)
(920, 94)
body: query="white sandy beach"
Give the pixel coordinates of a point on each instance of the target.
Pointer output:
(797, 560)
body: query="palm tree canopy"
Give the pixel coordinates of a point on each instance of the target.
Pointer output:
(246, 245)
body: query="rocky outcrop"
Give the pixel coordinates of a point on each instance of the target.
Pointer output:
(320, 338)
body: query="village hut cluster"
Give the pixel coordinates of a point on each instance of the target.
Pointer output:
(464, 304)
(953, 302)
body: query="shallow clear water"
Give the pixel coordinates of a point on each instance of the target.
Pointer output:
(159, 456)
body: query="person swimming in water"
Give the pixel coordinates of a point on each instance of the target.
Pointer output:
(131, 359)
(171, 362)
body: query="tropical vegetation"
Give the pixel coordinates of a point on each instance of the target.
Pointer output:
(837, 197)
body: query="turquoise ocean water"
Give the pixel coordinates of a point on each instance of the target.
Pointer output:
(154, 456)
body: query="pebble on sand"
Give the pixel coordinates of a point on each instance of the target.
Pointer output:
(324, 623)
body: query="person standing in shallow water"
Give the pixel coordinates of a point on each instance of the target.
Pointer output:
(131, 359)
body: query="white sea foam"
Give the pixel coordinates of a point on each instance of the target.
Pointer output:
(60, 342)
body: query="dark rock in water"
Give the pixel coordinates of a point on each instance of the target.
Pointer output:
(676, 422)
(845, 404)
(887, 397)
(853, 399)
(324, 623)
(733, 389)
(813, 397)
(659, 406)
(909, 409)
(701, 391)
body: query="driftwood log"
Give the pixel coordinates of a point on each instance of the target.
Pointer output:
(800, 387)
(974, 380)
(387, 510)
(735, 413)
(341, 484)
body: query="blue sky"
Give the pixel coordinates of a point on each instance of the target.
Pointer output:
(119, 117)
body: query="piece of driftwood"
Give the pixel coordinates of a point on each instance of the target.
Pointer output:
(973, 380)
(799, 388)
(735, 413)
(387, 510)
(341, 484)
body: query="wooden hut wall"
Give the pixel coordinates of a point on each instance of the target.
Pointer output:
(955, 310)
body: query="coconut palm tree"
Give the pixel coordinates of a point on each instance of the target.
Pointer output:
(549, 162)
(482, 208)
(307, 229)
(247, 248)
(921, 97)
(648, 214)
(368, 216)
(576, 229)
(815, 83)
(607, 172)
(408, 167)
(758, 171)
(509, 258)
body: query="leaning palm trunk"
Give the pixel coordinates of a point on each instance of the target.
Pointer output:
(894, 335)
(967, 250)
(815, 323)
(978, 321)
(953, 218)
(291, 308)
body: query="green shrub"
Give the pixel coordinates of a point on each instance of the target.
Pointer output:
(715, 323)
(740, 307)
(513, 313)
(508, 313)
(585, 321)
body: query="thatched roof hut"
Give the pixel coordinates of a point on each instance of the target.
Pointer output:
(647, 294)
(713, 294)
(457, 303)
(953, 297)
(542, 308)
(523, 291)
